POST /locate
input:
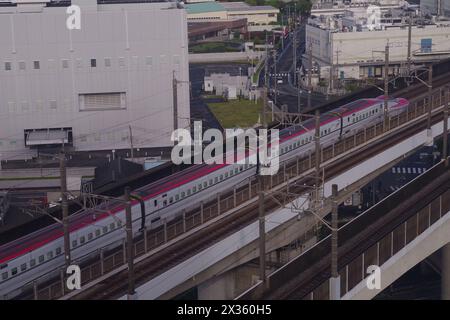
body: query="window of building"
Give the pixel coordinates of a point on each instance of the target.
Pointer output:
(93, 63)
(52, 104)
(149, 61)
(107, 62)
(36, 65)
(121, 62)
(7, 66)
(22, 65)
(65, 63)
(102, 101)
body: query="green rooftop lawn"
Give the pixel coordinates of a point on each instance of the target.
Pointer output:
(236, 113)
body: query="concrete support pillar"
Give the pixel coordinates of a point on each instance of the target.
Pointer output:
(445, 273)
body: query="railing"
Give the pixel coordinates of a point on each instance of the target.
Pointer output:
(206, 212)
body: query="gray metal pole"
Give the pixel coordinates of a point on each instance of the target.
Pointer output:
(175, 101)
(130, 253)
(430, 95)
(445, 133)
(65, 208)
(262, 234)
(310, 76)
(334, 232)
(317, 155)
(386, 87)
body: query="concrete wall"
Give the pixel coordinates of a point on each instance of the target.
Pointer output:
(136, 47)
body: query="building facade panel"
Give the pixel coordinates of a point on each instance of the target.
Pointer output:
(128, 49)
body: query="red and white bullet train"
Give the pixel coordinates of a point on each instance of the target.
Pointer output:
(30, 257)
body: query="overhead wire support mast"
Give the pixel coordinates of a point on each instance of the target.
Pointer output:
(65, 208)
(309, 75)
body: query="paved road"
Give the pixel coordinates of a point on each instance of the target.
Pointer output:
(287, 93)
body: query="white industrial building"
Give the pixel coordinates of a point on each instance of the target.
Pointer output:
(95, 87)
(354, 50)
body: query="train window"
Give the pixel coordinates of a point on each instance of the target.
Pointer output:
(171, 200)
(90, 236)
(97, 232)
(50, 255)
(32, 262)
(348, 119)
(82, 240)
(23, 267)
(221, 177)
(236, 170)
(41, 258)
(4, 275)
(210, 182)
(189, 192)
(119, 223)
(226, 175)
(155, 203)
(183, 194)
(216, 179)
(74, 243)
(58, 250)
(200, 187)
(205, 184)
(194, 189)
(177, 197)
(165, 203)
(3, 266)
(231, 173)
(105, 229)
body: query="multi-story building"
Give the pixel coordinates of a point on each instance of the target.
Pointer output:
(91, 88)
(355, 51)
(229, 11)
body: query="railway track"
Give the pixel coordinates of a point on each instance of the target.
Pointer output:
(180, 251)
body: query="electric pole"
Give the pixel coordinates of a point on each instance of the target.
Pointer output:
(430, 95)
(175, 101)
(335, 291)
(299, 95)
(130, 244)
(445, 133)
(131, 142)
(262, 233)
(317, 155)
(310, 75)
(65, 207)
(386, 87)
(294, 46)
(409, 43)
(275, 77)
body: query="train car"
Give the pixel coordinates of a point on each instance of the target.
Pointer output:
(37, 254)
